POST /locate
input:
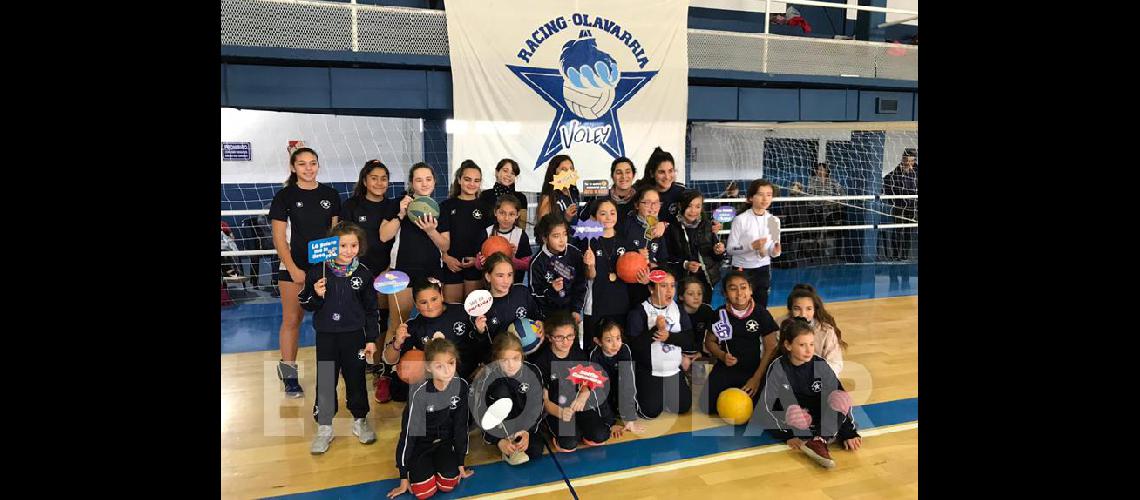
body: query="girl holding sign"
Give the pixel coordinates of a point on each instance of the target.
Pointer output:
(463, 222)
(575, 412)
(659, 330)
(643, 228)
(693, 246)
(558, 274)
(511, 300)
(751, 242)
(743, 342)
(368, 208)
(302, 211)
(439, 319)
(419, 246)
(563, 201)
(346, 320)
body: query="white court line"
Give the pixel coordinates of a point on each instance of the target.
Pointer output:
(675, 465)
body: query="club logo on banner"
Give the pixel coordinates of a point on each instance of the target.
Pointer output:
(587, 89)
(605, 79)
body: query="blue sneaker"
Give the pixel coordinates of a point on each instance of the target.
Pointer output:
(288, 375)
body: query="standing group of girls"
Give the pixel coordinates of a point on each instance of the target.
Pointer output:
(641, 338)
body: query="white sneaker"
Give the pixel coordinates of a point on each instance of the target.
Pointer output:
(362, 430)
(321, 441)
(517, 458)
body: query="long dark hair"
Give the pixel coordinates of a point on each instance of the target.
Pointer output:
(361, 188)
(806, 291)
(455, 188)
(656, 158)
(547, 187)
(292, 180)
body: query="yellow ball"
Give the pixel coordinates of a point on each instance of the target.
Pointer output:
(734, 406)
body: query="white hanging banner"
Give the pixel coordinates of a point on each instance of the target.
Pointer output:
(594, 79)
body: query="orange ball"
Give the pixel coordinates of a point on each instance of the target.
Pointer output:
(629, 264)
(494, 244)
(412, 368)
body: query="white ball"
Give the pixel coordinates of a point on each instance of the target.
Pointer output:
(588, 102)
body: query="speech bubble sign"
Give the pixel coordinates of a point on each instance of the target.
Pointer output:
(478, 302)
(588, 375)
(723, 328)
(588, 229)
(324, 249)
(724, 214)
(391, 282)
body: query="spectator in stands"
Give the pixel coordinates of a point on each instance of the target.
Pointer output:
(903, 180)
(830, 212)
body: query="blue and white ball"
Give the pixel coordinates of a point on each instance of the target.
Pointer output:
(527, 332)
(588, 78)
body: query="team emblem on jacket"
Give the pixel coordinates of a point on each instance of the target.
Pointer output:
(653, 248)
(430, 408)
(666, 347)
(453, 211)
(477, 214)
(360, 354)
(621, 251)
(816, 386)
(356, 282)
(673, 209)
(336, 316)
(752, 325)
(549, 276)
(458, 328)
(325, 204)
(300, 204)
(363, 218)
(600, 254)
(494, 321)
(520, 313)
(637, 243)
(454, 402)
(523, 387)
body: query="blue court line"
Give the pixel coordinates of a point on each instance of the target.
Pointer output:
(500, 476)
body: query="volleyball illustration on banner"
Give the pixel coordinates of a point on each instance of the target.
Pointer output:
(589, 76)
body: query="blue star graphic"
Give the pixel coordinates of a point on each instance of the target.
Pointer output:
(547, 83)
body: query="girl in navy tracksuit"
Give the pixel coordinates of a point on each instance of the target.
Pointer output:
(433, 429)
(558, 274)
(742, 359)
(345, 316)
(804, 403)
(511, 301)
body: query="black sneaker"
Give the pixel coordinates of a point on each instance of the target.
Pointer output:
(288, 375)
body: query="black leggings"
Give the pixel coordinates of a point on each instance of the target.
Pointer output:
(585, 424)
(657, 394)
(428, 460)
(337, 354)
